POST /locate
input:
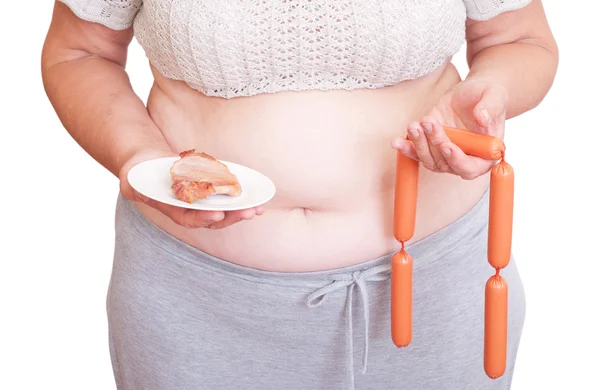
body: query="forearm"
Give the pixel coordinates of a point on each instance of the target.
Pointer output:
(526, 70)
(98, 107)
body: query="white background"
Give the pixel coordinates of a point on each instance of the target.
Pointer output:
(56, 214)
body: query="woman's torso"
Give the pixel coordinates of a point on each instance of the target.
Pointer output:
(329, 155)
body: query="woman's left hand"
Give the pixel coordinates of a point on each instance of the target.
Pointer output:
(474, 105)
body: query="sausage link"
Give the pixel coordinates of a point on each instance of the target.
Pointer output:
(402, 266)
(496, 326)
(474, 144)
(405, 197)
(502, 186)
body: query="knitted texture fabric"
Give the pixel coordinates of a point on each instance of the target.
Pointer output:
(232, 48)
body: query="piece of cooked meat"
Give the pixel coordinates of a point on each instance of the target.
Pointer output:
(197, 175)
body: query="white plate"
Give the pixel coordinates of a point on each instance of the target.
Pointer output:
(152, 179)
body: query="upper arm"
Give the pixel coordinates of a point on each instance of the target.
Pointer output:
(75, 34)
(525, 24)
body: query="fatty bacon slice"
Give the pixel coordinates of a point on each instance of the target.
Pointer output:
(197, 175)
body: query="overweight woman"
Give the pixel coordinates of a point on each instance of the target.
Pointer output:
(319, 95)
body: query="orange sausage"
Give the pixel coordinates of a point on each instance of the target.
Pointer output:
(405, 198)
(480, 145)
(496, 326)
(402, 265)
(502, 187)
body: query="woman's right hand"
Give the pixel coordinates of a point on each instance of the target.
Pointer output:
(185, 217)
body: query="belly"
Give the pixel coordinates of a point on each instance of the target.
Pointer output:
(328, 154)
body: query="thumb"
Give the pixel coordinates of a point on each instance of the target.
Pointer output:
(491, 108)
(137, 158)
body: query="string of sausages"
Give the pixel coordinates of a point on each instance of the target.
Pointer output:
(499, 245)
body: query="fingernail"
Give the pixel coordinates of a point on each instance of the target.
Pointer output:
(485, 115)
(414, 133)
(446, 151)
(428, 127)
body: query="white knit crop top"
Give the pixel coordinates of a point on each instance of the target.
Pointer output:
(232, 48)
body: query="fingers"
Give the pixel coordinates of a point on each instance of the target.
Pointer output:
(187, 217)
(259, 210)
(405, 147)
(194, 219)
(232, 217)
(416, 134)
(467, 167)
(430, 145)
(436, 137)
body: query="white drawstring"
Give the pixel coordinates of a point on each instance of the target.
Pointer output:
(359, 278)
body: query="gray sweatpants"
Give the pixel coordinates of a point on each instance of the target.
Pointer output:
(181, 319)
